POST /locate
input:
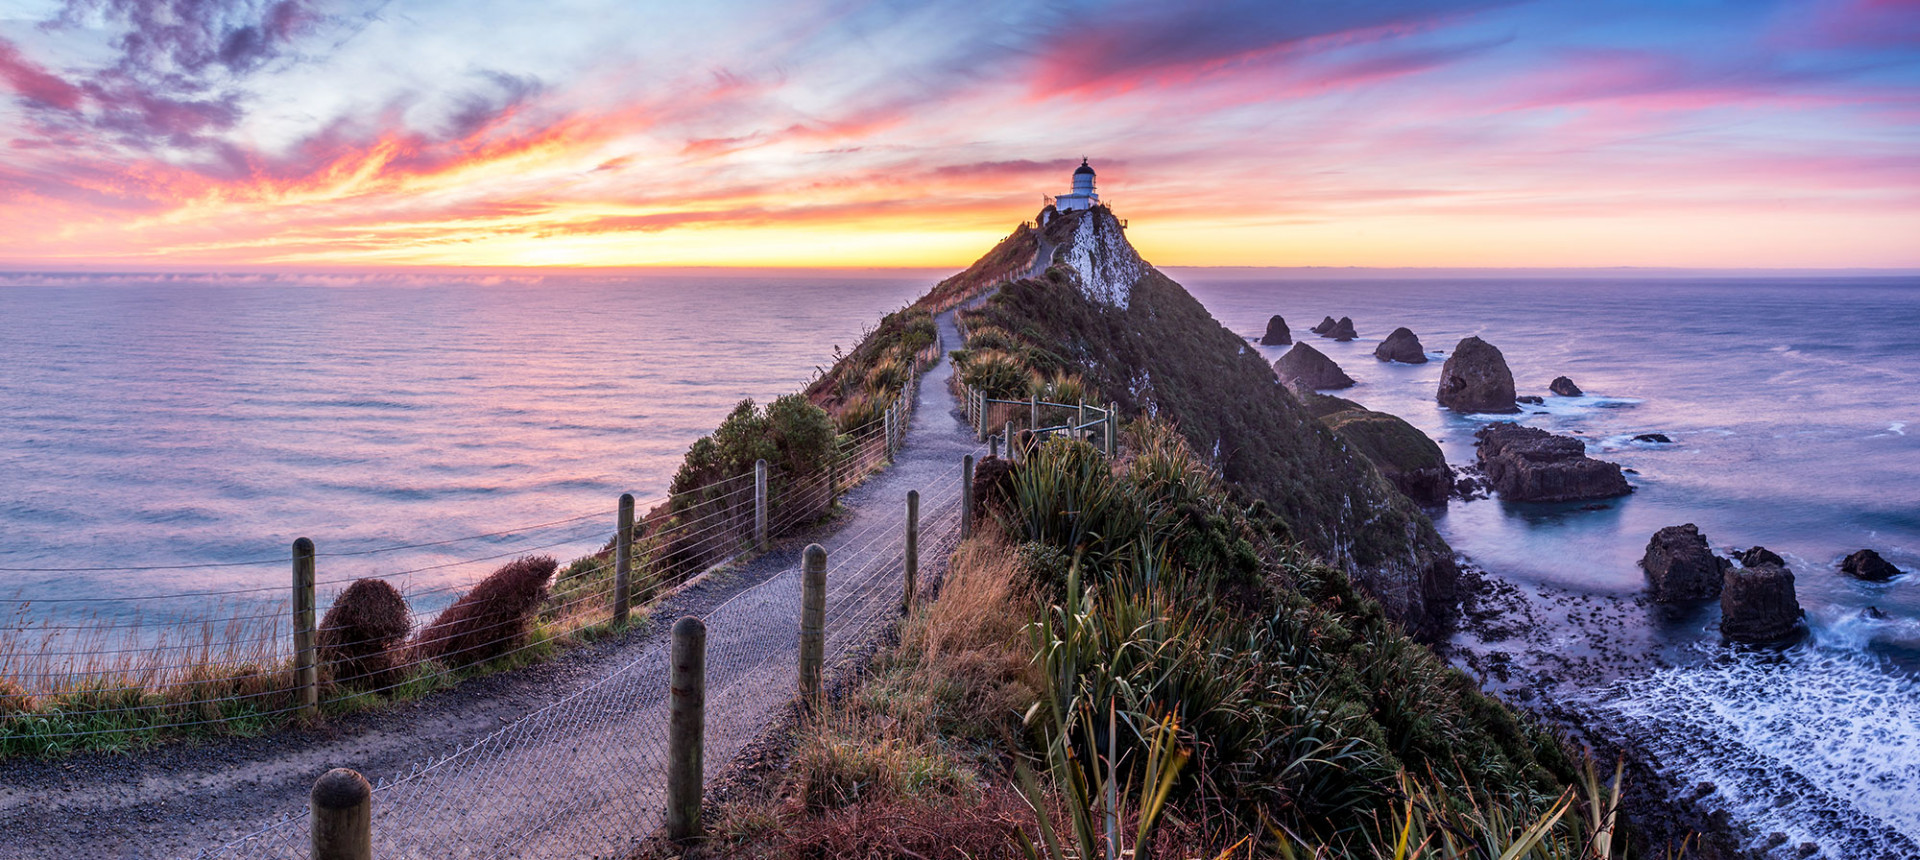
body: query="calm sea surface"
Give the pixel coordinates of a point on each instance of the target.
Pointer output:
(1794, 406)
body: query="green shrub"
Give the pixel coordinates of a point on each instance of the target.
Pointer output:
(996, 373)
(792, 435)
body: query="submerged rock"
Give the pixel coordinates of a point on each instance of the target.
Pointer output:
(1534, 399)
(1868, 565)
(1402, 346)
(1476, 379)
(1277, 333)
(1564, 387)
(1656, 438)
(1872, 613)
(1409, 460)
(1759, 555)
(1681, 566)
(1326, 325)
(1309, 367)
(1757, 604)
(1527, 464)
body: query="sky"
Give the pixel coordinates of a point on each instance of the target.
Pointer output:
(264, 134)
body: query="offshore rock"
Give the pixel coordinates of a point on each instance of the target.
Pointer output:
(1309, 367)
(1326, 325)
(1342, 331)
(1527, 464)
(1564, 387)
(1277, 334)
(1402, 346)
(1757, 604)
(1533, 399)
(1655, 438)
(1409, 460)
(1868, 565)
(1476, 379)
(1682, 567)
(1759, 555)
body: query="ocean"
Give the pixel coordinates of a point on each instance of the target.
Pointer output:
(1795, 425)
(152, 426)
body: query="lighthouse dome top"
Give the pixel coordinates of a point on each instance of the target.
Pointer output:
(1084, 169)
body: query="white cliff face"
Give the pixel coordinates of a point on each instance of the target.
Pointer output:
(1103, 261)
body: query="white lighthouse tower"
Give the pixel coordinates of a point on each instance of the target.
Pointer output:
(1083, 196)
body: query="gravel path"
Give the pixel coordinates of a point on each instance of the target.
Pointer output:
(557, 759)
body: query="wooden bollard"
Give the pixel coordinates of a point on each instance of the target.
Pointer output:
(813, 622)
(306, 663)
(912, 561)
(993, 446)
(886, 420)
(1011, 453)
(980, 418)
(1033, 412)
(686, 728)
(1113, 417)
(623, 561)
(760, 504)
(342, 822)
(966, 495)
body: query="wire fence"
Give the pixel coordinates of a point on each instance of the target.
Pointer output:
(585, 776)
(70, 672)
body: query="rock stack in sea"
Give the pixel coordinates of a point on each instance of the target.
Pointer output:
(1757, 604)
(1326, 325)
(1402, 346)
(1309, 367)
(1277, 333)
(1341, 331)
(1681, 566)
(1868, 565)
(1564, 387)
(1476, 379)
(1527, 464)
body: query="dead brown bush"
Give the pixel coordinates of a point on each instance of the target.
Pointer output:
(362, 632)
(493, 618)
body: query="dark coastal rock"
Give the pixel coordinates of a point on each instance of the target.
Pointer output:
(1307, 366)
(1758, 555)
(1326, 325)
(1872, 613)
(1757, 604)
(1401, 346)
(1656, 438)
(1534, 399)
(1342, 331)
(1409, 460)
(1527, 464)
(1277, 333)
(1564, 387)
(1868, 565)
(1476, 379)
(1682, 566)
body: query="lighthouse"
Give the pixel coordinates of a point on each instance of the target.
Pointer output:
(1083, 196)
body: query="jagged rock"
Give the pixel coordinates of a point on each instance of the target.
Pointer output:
(1656, 438)
(1476, 379)
(1758, 555)
(1527, 464)
(1326, 325)
(1868, 565)
(1277, 334)
(1757, 604)
(1342, 331)
(1533, 399)
(1682, 566)
(1872, 613)
(1564, 387)
(1309, 367)
(1410, 460)
(1401, 346)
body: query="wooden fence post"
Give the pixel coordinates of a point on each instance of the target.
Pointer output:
(1009, 438)
(760, 504)
(1113, 418)
(306, 664)
(912, 586)
(1033, 412)
(342, 816)
(966, 497)
(886, 421)
(686, 728)
(813, 622)
(980, 423)
(993, 446)
(623, 561)
(1079, 418)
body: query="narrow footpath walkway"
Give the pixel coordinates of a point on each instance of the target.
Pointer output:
(562, 759)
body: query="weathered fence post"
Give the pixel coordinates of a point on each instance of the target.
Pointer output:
(966, 497)
(686, 728)
(1033, 412)
(980, 422)
(760, 504)
(623, 560)
(1113, 418)
(912, 586)
(1009, 438)
(993, 446)
(342, 816)
(886, 420)
(1080, 418)
(813, 622)
(306, 664)
(833, 478)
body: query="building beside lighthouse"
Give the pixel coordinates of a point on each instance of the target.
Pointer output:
(1083, 195)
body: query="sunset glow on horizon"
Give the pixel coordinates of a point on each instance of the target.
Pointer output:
(298, 133)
